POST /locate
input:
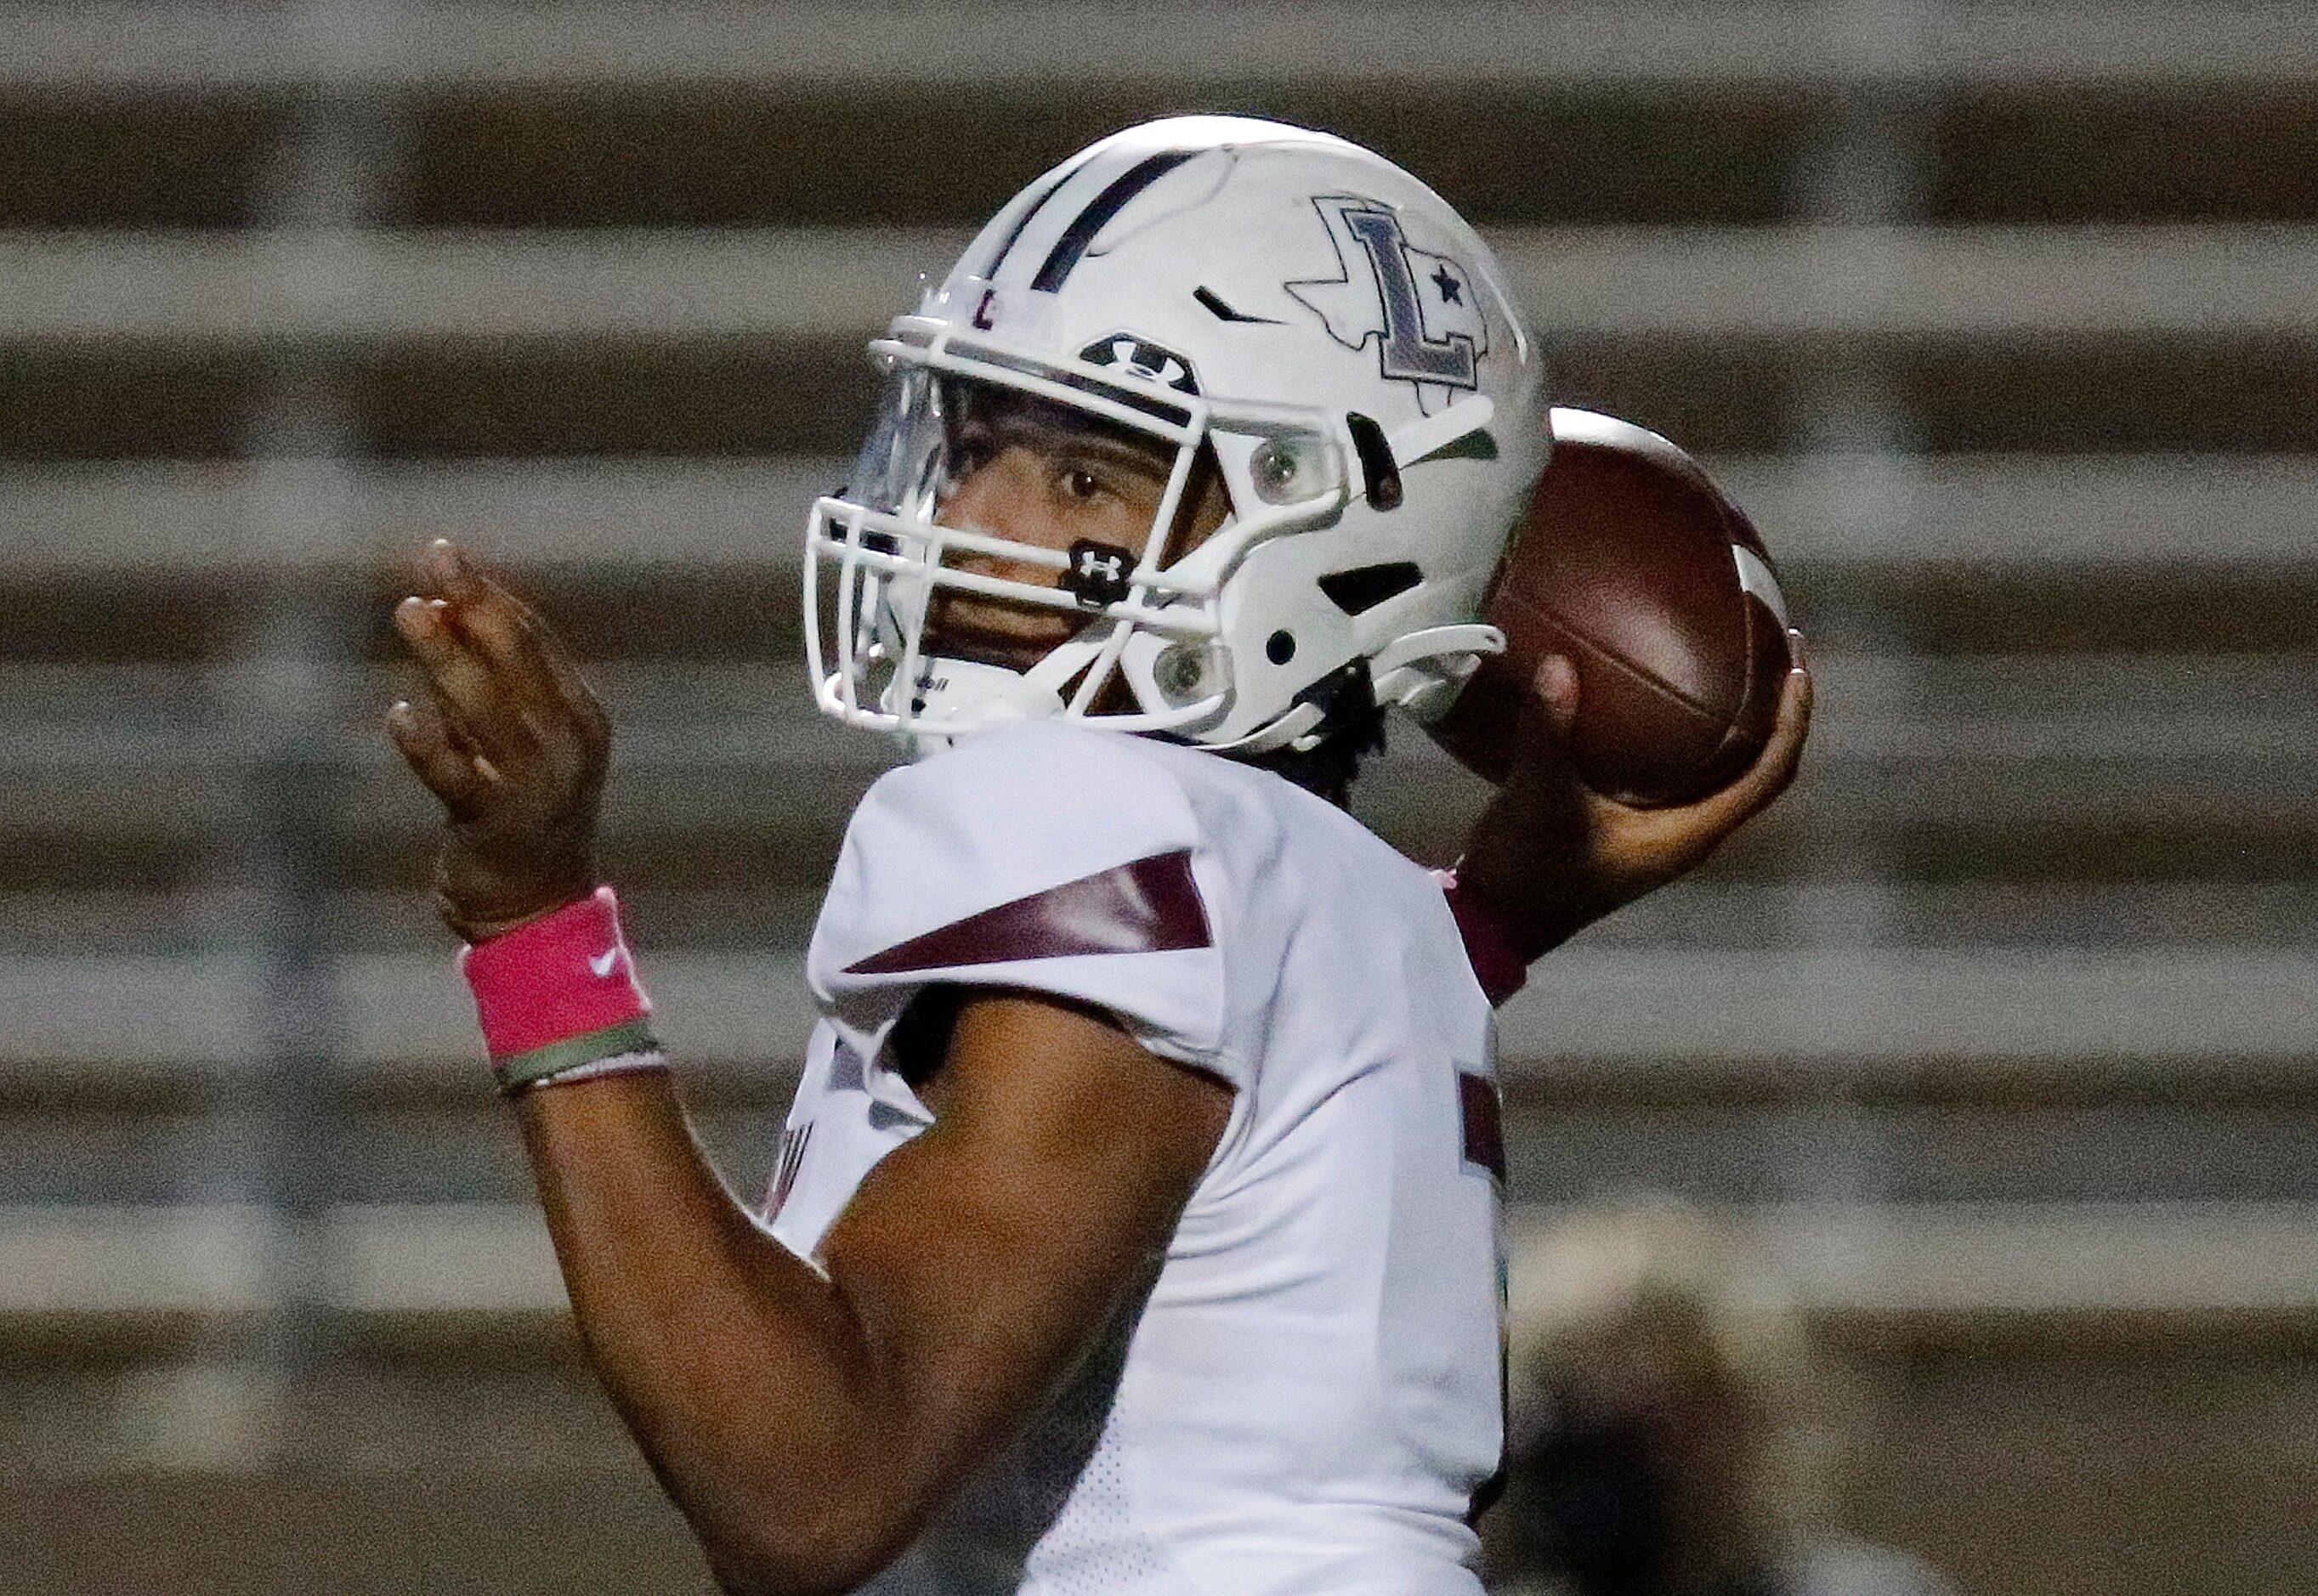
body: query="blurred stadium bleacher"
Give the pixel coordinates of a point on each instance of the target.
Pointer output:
(2002, 1033)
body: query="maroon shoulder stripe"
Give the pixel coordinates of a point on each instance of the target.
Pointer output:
(1483, 1114)
(1149, 906)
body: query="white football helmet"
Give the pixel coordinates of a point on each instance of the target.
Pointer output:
(1319, 324)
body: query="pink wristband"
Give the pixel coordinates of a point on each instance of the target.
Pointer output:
(559, 992)
(1489, 948)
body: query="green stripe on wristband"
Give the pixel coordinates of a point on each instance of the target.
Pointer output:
(523, 1069)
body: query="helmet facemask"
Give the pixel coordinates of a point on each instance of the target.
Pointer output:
(937, 622)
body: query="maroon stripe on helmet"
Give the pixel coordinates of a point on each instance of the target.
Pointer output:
(1149, 906)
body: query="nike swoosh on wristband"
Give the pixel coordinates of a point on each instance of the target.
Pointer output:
(1151, 905)
(604, 964)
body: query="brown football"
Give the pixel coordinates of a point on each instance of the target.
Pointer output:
(1635, 566)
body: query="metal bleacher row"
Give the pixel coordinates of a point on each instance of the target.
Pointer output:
(2000, 320)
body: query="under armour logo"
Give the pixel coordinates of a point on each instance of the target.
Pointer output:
(1098, 573)
(1141, 359)
(1428, 329)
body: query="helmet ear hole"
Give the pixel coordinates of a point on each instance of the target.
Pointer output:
(1189, 670)
(1292, 466)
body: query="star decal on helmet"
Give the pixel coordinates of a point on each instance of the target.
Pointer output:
(1141, 359)
(1412, 302)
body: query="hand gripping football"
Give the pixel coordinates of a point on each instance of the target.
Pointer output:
(1634, 566)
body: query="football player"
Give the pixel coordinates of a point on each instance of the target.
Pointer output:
(1136, 1225)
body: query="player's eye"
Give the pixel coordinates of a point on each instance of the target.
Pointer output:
(1082, 481)
(1079, 483)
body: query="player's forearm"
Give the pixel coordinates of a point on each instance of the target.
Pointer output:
(1524, 862)
(740, 1371)
(752, 1388)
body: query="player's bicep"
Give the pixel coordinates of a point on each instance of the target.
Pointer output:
(983, 1258)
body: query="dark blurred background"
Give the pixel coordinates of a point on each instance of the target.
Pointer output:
(1995, 1040)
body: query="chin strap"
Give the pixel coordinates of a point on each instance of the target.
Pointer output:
(1297, 724)
(1319, 712)
(1421, 673)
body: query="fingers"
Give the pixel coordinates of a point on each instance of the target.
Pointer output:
(512, 633)
(1542, 754)
(1775, 766)
(502, 681)
(1785, 752)
(452, 773)
(1556, 687)
(468, 689)
(503, 628)
(1541, 737)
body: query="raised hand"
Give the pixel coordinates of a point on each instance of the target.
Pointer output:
(509, 738)
(1550, 856)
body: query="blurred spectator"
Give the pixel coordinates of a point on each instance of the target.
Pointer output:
(1665, 1440)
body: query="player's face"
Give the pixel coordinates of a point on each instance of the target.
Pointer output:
(1037, 473)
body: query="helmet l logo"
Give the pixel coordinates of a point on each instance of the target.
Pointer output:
(1424, 313)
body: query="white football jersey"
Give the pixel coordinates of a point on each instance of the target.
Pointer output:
(1310, 1394)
